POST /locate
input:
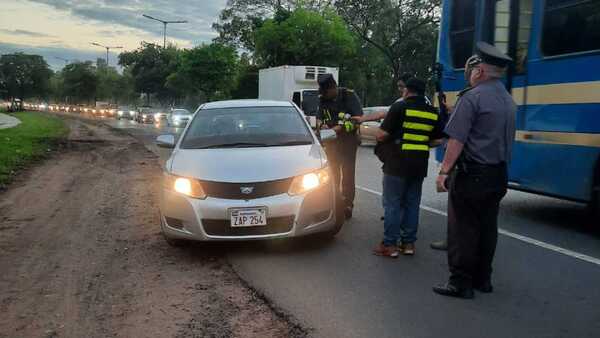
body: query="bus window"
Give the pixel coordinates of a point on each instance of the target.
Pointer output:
(526, 9)
(571, 26)
(502, 29)
(462, 31)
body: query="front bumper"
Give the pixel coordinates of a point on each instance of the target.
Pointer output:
(183, 217)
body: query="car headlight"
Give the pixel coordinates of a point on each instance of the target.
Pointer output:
(185, 186)
(144, 115)
(157, 116)
(120, 112)
(131, 112)
(310, 181)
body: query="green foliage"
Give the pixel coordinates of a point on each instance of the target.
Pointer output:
(150, 66)
(28, 141)
(80, 81)
(404, 32)
(304, 38)
(211, 69)
(24, 76)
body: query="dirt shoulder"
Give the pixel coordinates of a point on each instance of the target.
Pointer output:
(81, 255)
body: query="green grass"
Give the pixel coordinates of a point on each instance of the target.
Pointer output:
(27, 142)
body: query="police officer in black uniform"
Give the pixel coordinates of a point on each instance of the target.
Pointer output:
(336, 107)
(481, 131)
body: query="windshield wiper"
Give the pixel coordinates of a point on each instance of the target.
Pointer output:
(235, 145)
(293, 143)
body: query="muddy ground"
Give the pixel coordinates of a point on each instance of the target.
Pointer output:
(81, 254)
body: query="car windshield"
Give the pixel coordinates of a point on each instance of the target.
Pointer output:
(181, 112)
(124, 108)
(246, 127)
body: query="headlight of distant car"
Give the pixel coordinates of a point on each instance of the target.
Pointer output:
(120, 112)
(145, 115)
(131, 112)
(310, 181)
(186, 186)
(157, 116)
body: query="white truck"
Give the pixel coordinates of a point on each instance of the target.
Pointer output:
(294, 83)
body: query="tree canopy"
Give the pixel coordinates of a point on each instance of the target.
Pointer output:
(24, 76)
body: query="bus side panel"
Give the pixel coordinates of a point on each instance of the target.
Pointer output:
(559, 170)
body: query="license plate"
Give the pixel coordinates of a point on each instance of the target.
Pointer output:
(248, 217)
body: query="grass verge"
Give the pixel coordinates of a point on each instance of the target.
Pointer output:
(31, 140)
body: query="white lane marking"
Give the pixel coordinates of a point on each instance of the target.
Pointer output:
(513, 235)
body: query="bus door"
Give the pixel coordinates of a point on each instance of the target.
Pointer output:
(507, 24)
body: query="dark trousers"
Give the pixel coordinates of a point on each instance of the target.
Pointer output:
(473, 205)
(342, 161)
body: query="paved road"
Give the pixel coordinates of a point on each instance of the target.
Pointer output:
(547, 271)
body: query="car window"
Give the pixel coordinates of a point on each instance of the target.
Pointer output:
(247, 126)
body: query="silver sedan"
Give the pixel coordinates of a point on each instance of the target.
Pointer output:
(245, 170)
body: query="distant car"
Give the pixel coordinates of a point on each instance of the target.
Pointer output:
(125, 112)
(160, 115)
(248, 170)
(145, 115)
(179, 117)
(369, 129)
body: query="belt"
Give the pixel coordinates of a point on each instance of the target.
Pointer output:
(465, 166)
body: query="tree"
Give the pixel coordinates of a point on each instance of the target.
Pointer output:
(24, 76)
(404, 31)
(108, 78)
(151, 65)
(211, 69)
(304, 38)
(247, 80)
(239, 21)
(80, 81)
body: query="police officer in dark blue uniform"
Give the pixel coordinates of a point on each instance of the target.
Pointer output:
(336, 107)
(481, 130)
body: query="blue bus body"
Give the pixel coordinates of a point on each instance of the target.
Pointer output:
(555, 83)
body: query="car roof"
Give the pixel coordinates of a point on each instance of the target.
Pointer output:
(245, 103)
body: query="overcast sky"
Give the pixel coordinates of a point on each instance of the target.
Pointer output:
(65, 28)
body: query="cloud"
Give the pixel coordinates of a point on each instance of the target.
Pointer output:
(51, 54)
(26, 33)
(199, 14)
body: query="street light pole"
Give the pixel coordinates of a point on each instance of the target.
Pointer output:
(165, 23)
(107, 49)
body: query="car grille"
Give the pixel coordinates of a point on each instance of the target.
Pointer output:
(275, 225)
(233, 191)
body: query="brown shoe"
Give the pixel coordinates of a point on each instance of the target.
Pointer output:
(386, 251)
(407, 249)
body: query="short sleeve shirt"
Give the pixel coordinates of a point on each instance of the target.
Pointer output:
(484, 121)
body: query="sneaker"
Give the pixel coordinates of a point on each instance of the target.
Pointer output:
(386, 251)
(407, 249)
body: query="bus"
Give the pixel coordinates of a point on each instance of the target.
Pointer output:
(555, 81)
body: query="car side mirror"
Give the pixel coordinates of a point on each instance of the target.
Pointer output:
(166, 141)
(327, 135)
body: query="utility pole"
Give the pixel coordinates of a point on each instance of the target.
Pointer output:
(107, 49)
(165, 23)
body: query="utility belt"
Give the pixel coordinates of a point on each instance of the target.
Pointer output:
(468, 167)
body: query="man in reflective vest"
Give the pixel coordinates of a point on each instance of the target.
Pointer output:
(336, 107)
(409, 129)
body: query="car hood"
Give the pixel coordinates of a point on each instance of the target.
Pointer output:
(245, 165)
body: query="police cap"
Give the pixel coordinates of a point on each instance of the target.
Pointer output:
(489, 54)
(326, 81)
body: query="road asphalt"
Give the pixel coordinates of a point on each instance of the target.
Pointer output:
(547, 270)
